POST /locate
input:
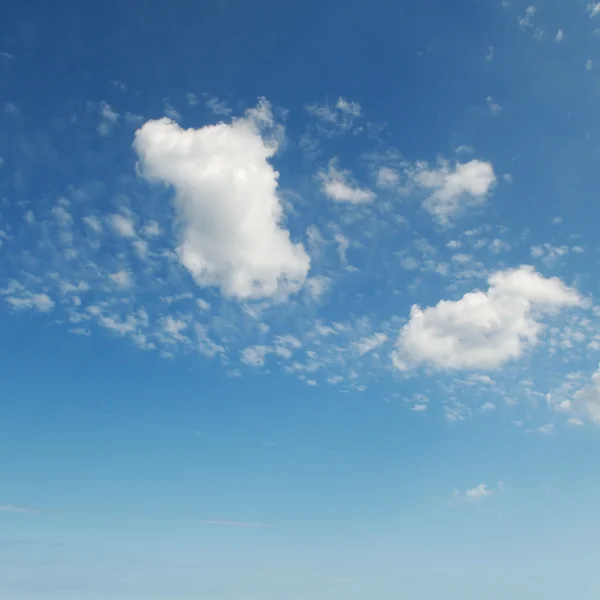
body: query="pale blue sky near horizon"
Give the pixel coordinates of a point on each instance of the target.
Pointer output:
(299, 300)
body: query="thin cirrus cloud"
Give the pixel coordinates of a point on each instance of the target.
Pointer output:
(15, 509)
(226, 197)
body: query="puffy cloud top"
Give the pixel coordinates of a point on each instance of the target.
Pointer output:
(226, 200)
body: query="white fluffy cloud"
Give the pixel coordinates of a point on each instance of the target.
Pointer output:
(340, 186)
(453, 188)
(483, 330)
(588, 398)
(226, 199)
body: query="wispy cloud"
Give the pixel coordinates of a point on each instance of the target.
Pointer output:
(12, 508)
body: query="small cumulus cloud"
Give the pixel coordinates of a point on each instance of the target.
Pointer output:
(453, 188)
(483, 330)
(232, 233)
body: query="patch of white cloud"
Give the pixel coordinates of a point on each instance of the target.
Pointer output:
(387, 177)
(548, 253)
(340, 186)
(122, 226)
(21, 298)
(368, 344)
(453, 188)
(350, 108)
(28, 300)
(254, 356)
(232, 234)
(218, 107)
(483, 330)
(477, 493)
(341, 114)
(122, 278)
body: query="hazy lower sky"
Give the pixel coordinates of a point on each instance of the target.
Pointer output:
(298, 300)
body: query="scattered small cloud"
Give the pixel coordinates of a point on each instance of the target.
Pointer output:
(108, 119)
(546, 429)
(370, 343)
(476, 494)
(122, 278)
(121, 225)
(218, 107)
(593, 8)
(339, 185)
(453, 188)
(254, 356)
(350, 108)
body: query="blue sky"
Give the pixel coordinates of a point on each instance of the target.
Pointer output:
(299, 300)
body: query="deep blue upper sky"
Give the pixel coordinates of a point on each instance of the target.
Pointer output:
(299, 300)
